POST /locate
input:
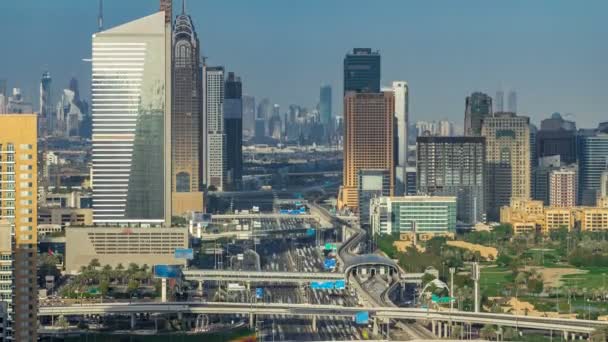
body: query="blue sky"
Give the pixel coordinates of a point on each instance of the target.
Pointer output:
(552, 52)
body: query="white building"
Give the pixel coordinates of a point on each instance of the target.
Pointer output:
(215, 158)
(563, 185)
(401, 94)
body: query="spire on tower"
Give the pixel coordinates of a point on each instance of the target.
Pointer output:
(100, 16)
(183, 6)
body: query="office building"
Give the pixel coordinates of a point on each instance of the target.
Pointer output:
(233, 127)
(65, 217)
(499, 106)
(563, 185)
(214, 116)
(507, 159)
(362, 71)
(557, 137)
(512, 102)
(410, 176)
(477, 106)
(46, 103)
(454, 166)
(372, 183)
(592, 152)
(186, 118)
(17, 104)
(400, 92)
(540, 177)
(18, 160)
(421, 215)
(368, 140)
(325, 109)
(106, 244)
(604, 184)
(249, 116)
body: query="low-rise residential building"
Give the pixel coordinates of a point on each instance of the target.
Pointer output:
(594, 219)
(421, 215)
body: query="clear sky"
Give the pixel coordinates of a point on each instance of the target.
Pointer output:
(553, 53)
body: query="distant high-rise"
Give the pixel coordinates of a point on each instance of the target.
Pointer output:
(372, 183)
(563, 184)
(593, 160)
(233, 127)
(500, 102)
(454, 166)
(214, 116)
(18, 157)
(131, 89)
(557, 137)
(46, 102)
(604, 184)
(368, 140)
(507, 159)
(477, 106)
(249, 115)
(512, 102)
(401, 94)
(362, 71)
(186, 118)
(325, 105)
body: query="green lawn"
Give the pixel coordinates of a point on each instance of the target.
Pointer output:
(596, 278)
(493, 280)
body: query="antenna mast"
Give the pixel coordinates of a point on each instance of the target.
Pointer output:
(100, 16)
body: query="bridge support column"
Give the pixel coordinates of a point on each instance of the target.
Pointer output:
(132, 321)
(439, 326)
(200, 288)
(251, 321)
(573, 336)
(434, 327)
(375, 327)
(446, 330)
(163, 290)
(314, 323)
(565, 336)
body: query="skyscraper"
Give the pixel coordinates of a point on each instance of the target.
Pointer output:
(512, 102)
(18, 157)
(46, 102)
(477, 106)
(454, 166)
(249, 115)
(131, 89)
(325, 105)
(507, 159)
(500, 102)
(214, 116)
(362, 71)
(372, 183)
(233, 127)
(593, 160)
(186, 118)
(557, 137)
(368, 140)
(401, 93)
(563, 184)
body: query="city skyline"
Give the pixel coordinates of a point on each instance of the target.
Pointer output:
(555, 68)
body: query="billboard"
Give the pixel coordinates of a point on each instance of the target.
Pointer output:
(329, 264)
(167, 271)
(362, 317)
(328, 285)
(340, 284)
(184, 253)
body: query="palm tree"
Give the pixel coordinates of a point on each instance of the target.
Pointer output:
(487, 332)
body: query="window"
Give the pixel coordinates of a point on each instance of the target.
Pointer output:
(182, 182)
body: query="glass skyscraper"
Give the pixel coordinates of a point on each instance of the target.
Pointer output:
(362, 71)
(593, 160)
(477, 106)
(131, 124)
(233, 126)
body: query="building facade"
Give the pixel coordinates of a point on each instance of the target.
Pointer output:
(401, 93)
(362, 71)
(368, 141)
(249, 116)
(563, 185)
(325, 105)
(557, 137)
(233, 127)
(454, 166)
(19, 205)
(592, 150)
(413, 214)
(477, 106)
(131, 173)
(507, 159)
(214, 116)
(372, 183)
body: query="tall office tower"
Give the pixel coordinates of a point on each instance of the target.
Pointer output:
(46, 103)
(372, 183)
(18, 157)
(604, 184)
(260, 128)
(557, 137)
(445, 128)
(593, 160)
(499, 105)
(563, 184)
(507, 159)
(533, 155)
(186, 118)
(233, 126)
(264, 109)
(540, 177)
(477, 106)
(325, 105)
(454, 166)
(248, 115)
(400, 92)
(512, 102)
(131, 92)
(362, 71)
(214, 116)
(368, 140)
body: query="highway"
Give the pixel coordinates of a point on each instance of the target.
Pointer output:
(312, 310)
(260, 276)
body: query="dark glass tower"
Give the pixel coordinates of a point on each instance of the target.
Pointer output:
(233, 126)
(557, 137)
(478, 106)
(362, 71)
(325, 105)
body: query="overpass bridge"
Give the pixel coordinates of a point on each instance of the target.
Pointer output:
(313, 311)
(260, 277)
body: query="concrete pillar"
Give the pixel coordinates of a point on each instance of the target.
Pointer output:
(163, 290)
(251, 321)
(132, 321)
(200, 288)
(434, 327)
(314, 323)
(180, 316)
(446, 330)
(573, 336)
(248, 286)
(565, 336)
(439, 326)
(375, 327)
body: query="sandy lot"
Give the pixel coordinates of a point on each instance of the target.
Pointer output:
(486, 252)
(552, 276)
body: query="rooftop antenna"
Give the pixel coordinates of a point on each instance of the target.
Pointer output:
(100, 16)
(183, 6)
